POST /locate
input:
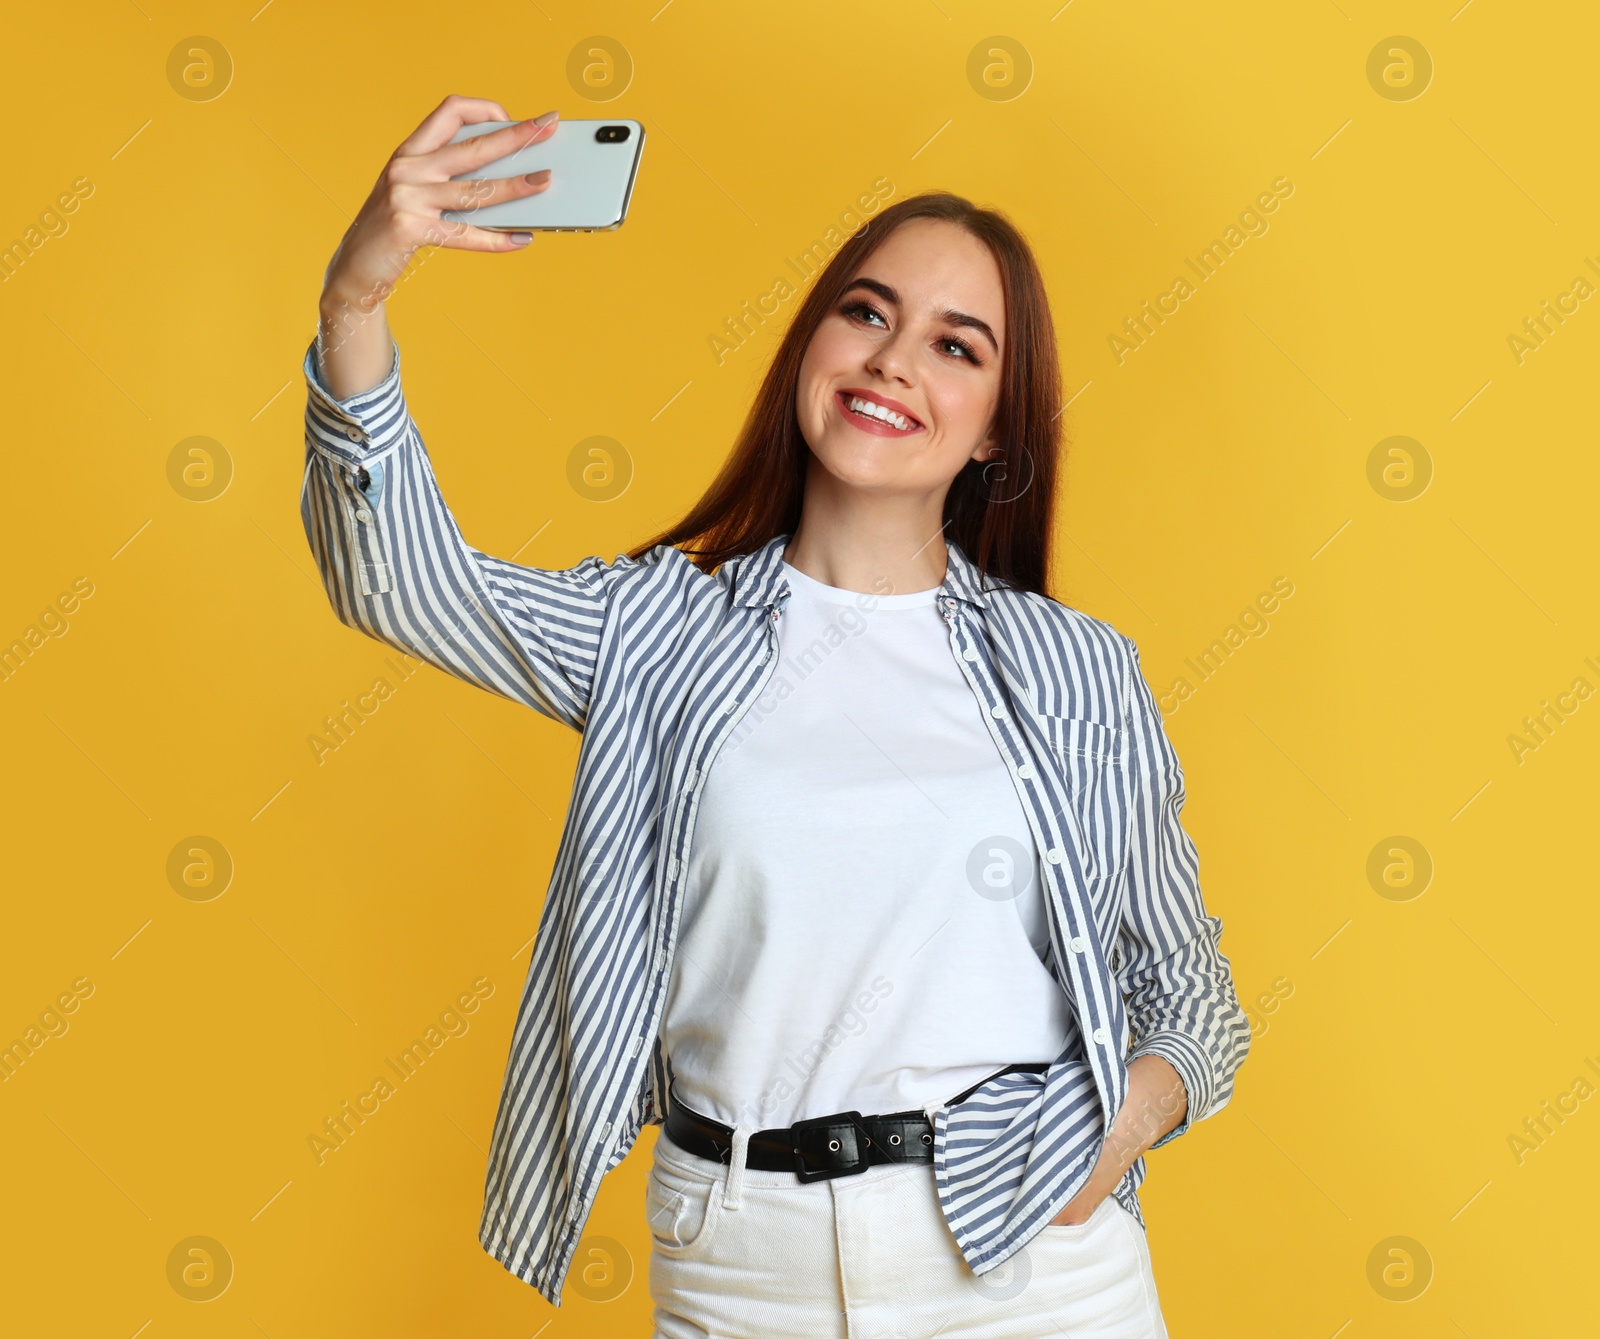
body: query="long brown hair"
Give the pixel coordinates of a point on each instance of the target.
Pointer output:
(997, 512)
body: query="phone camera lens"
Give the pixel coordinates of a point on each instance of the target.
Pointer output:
(612, 134)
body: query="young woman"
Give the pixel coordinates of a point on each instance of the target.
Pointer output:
(873, 892)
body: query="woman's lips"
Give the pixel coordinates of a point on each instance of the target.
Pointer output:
(869, 424)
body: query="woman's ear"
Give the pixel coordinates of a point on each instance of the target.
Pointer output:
(989, 448)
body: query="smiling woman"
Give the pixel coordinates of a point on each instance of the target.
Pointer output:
(965, 810)
(912, 316)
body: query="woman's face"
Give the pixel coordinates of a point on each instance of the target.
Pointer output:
(919, 332)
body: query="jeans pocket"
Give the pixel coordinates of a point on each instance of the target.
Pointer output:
(1078, 1231)
(680, 1210)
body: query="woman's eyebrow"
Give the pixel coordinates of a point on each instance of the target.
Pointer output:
(954, 317)
(949, 314)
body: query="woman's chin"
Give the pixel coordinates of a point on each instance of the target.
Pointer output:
(875, 468)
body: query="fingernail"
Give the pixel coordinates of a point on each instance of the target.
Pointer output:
(521, 238)
(534, 178)
(542, 121)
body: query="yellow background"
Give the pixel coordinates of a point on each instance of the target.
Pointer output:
(1404, 1040)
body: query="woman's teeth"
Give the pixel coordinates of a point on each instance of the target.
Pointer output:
(877, 411)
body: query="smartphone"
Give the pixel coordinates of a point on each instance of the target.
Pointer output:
(593, 165)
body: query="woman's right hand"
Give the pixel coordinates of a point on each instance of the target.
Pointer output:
(403, 214)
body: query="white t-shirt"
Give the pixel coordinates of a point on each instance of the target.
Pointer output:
(863, 924)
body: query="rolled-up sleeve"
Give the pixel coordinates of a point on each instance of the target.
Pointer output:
(395, 566)
(1176, 981)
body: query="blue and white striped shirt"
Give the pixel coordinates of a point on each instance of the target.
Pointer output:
(655, 661)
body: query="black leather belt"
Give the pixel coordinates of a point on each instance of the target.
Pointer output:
(842, 1144)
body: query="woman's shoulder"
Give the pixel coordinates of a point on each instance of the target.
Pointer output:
(1058, 630)
(1079, 665)
(1061, 617)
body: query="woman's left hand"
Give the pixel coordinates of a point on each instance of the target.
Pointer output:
(1156, 1103)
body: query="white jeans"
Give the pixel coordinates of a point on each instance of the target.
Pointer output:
(740, 1253)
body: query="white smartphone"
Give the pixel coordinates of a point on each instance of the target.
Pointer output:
(592, 165)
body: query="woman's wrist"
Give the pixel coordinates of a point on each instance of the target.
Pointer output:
(1156, 1102)
(354, 348)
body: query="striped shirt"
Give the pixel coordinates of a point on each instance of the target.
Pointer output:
(655, 661)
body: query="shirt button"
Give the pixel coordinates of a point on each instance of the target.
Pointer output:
(363, 515)
(969, 654)
(1053, 855)
(1025, 772)
(1079, 944)
(691, 775)
(1101, 1035)
(733, 706)
(998, 712)
(354, 434)
(672, 866)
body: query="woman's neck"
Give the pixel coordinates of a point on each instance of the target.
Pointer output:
(852, 540)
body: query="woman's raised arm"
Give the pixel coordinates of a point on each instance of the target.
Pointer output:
(392, 558)
(404, 213)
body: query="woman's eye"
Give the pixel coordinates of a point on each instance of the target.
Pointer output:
(950, 344)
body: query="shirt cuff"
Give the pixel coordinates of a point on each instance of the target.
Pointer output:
(1185, 1055)
(360, 427)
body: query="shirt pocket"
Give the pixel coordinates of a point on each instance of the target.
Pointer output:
(1094, 763)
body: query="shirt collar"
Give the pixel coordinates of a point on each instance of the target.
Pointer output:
(756, 578)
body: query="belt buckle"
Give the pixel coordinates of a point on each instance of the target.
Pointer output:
(843, 1131)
